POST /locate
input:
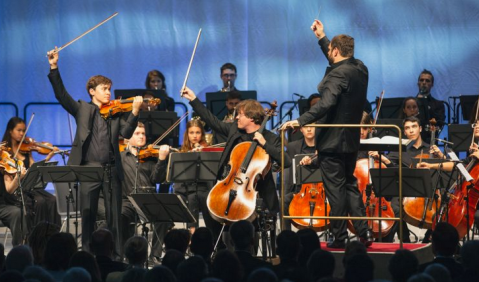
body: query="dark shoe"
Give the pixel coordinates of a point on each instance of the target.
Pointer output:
(153, 261)
(367, 239)
(336, 244)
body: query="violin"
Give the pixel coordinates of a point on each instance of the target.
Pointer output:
(234, 198)
(204, 147)
(8, 164)
(29, 144)
(124, 105)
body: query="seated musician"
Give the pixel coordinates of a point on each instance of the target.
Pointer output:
(41, 205)
(150, 172)
(449, 166)
(410, 108)
(228, 76)
(232, 100)
(156, 80)
(412, 130)
(10, 212)
(301, 146)
(249, 119)
(195, 194)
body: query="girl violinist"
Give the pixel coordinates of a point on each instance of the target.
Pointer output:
(40, 203)
(195, 194)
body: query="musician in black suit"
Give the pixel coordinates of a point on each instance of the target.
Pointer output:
(94, 146)
(343, 88)
(245, 128)
(436, 108)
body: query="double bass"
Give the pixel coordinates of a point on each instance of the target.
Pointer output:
(234, 198)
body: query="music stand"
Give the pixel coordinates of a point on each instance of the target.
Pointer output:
(467, 104)
(461, 136)
(304, 174)
(72, 173)
(216, 101)
(156, 123)
(303, 106)
(33, 178)
(416, 182)
(193, 167)
(390, 108)
(381, 132)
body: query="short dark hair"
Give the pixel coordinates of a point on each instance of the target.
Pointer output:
(233, 95)
(444, 239)
(314, 96)
(102, 242)
(425, 71)
(177, 239)
(228, 66)
(345, 45)
(411, 119)
(288, 244)
(242, 234)
(136, 250)
(402, 265)
(96, 80)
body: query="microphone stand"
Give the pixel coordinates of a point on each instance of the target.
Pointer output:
(288, 113)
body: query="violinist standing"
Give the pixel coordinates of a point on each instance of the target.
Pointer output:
(150, 172)
(343, 88)
(10, 213)
(93, 146)
(40, 204)
(248, 121)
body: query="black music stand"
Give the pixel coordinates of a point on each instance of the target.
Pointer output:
(416, 182)
(193, 167)
(461, 136)
(216, 101)
(390, 108)
(33, 179)
(467, 105)
(381, 132)
(160, 208)
(156, 123)
(72, 173)
(304, 173)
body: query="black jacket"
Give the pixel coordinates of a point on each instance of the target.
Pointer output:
(272, 147)
(83, 113)
(344, 90)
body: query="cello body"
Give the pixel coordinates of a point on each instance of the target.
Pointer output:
(234, 198)
(310, 201)
(361, 172)
(459, 207)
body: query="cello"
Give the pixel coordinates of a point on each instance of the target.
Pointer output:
(420, 211)
(234, 198)
(310, 201)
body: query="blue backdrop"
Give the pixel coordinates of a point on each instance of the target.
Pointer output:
(270, 41)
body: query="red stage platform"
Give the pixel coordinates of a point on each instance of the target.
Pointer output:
(381, 253)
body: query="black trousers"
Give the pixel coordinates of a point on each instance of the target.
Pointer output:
(41, 206)
(11, 216)
(342, 192)
(89, 196)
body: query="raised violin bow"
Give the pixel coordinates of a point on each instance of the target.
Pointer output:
(86, 32)
(191, 62)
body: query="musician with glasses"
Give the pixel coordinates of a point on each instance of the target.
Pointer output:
(228, 76)
(437, 110)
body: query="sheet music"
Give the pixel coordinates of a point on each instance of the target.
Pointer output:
(390, 140)
(460, 166)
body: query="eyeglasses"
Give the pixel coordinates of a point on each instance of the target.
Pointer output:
(228, 75)
(424, 79)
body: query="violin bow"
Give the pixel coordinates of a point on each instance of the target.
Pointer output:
(191, 62)
(175, 124)
(86, 32)
(24, 135)
(380, 102)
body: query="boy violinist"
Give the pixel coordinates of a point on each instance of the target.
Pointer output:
(96, 143)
